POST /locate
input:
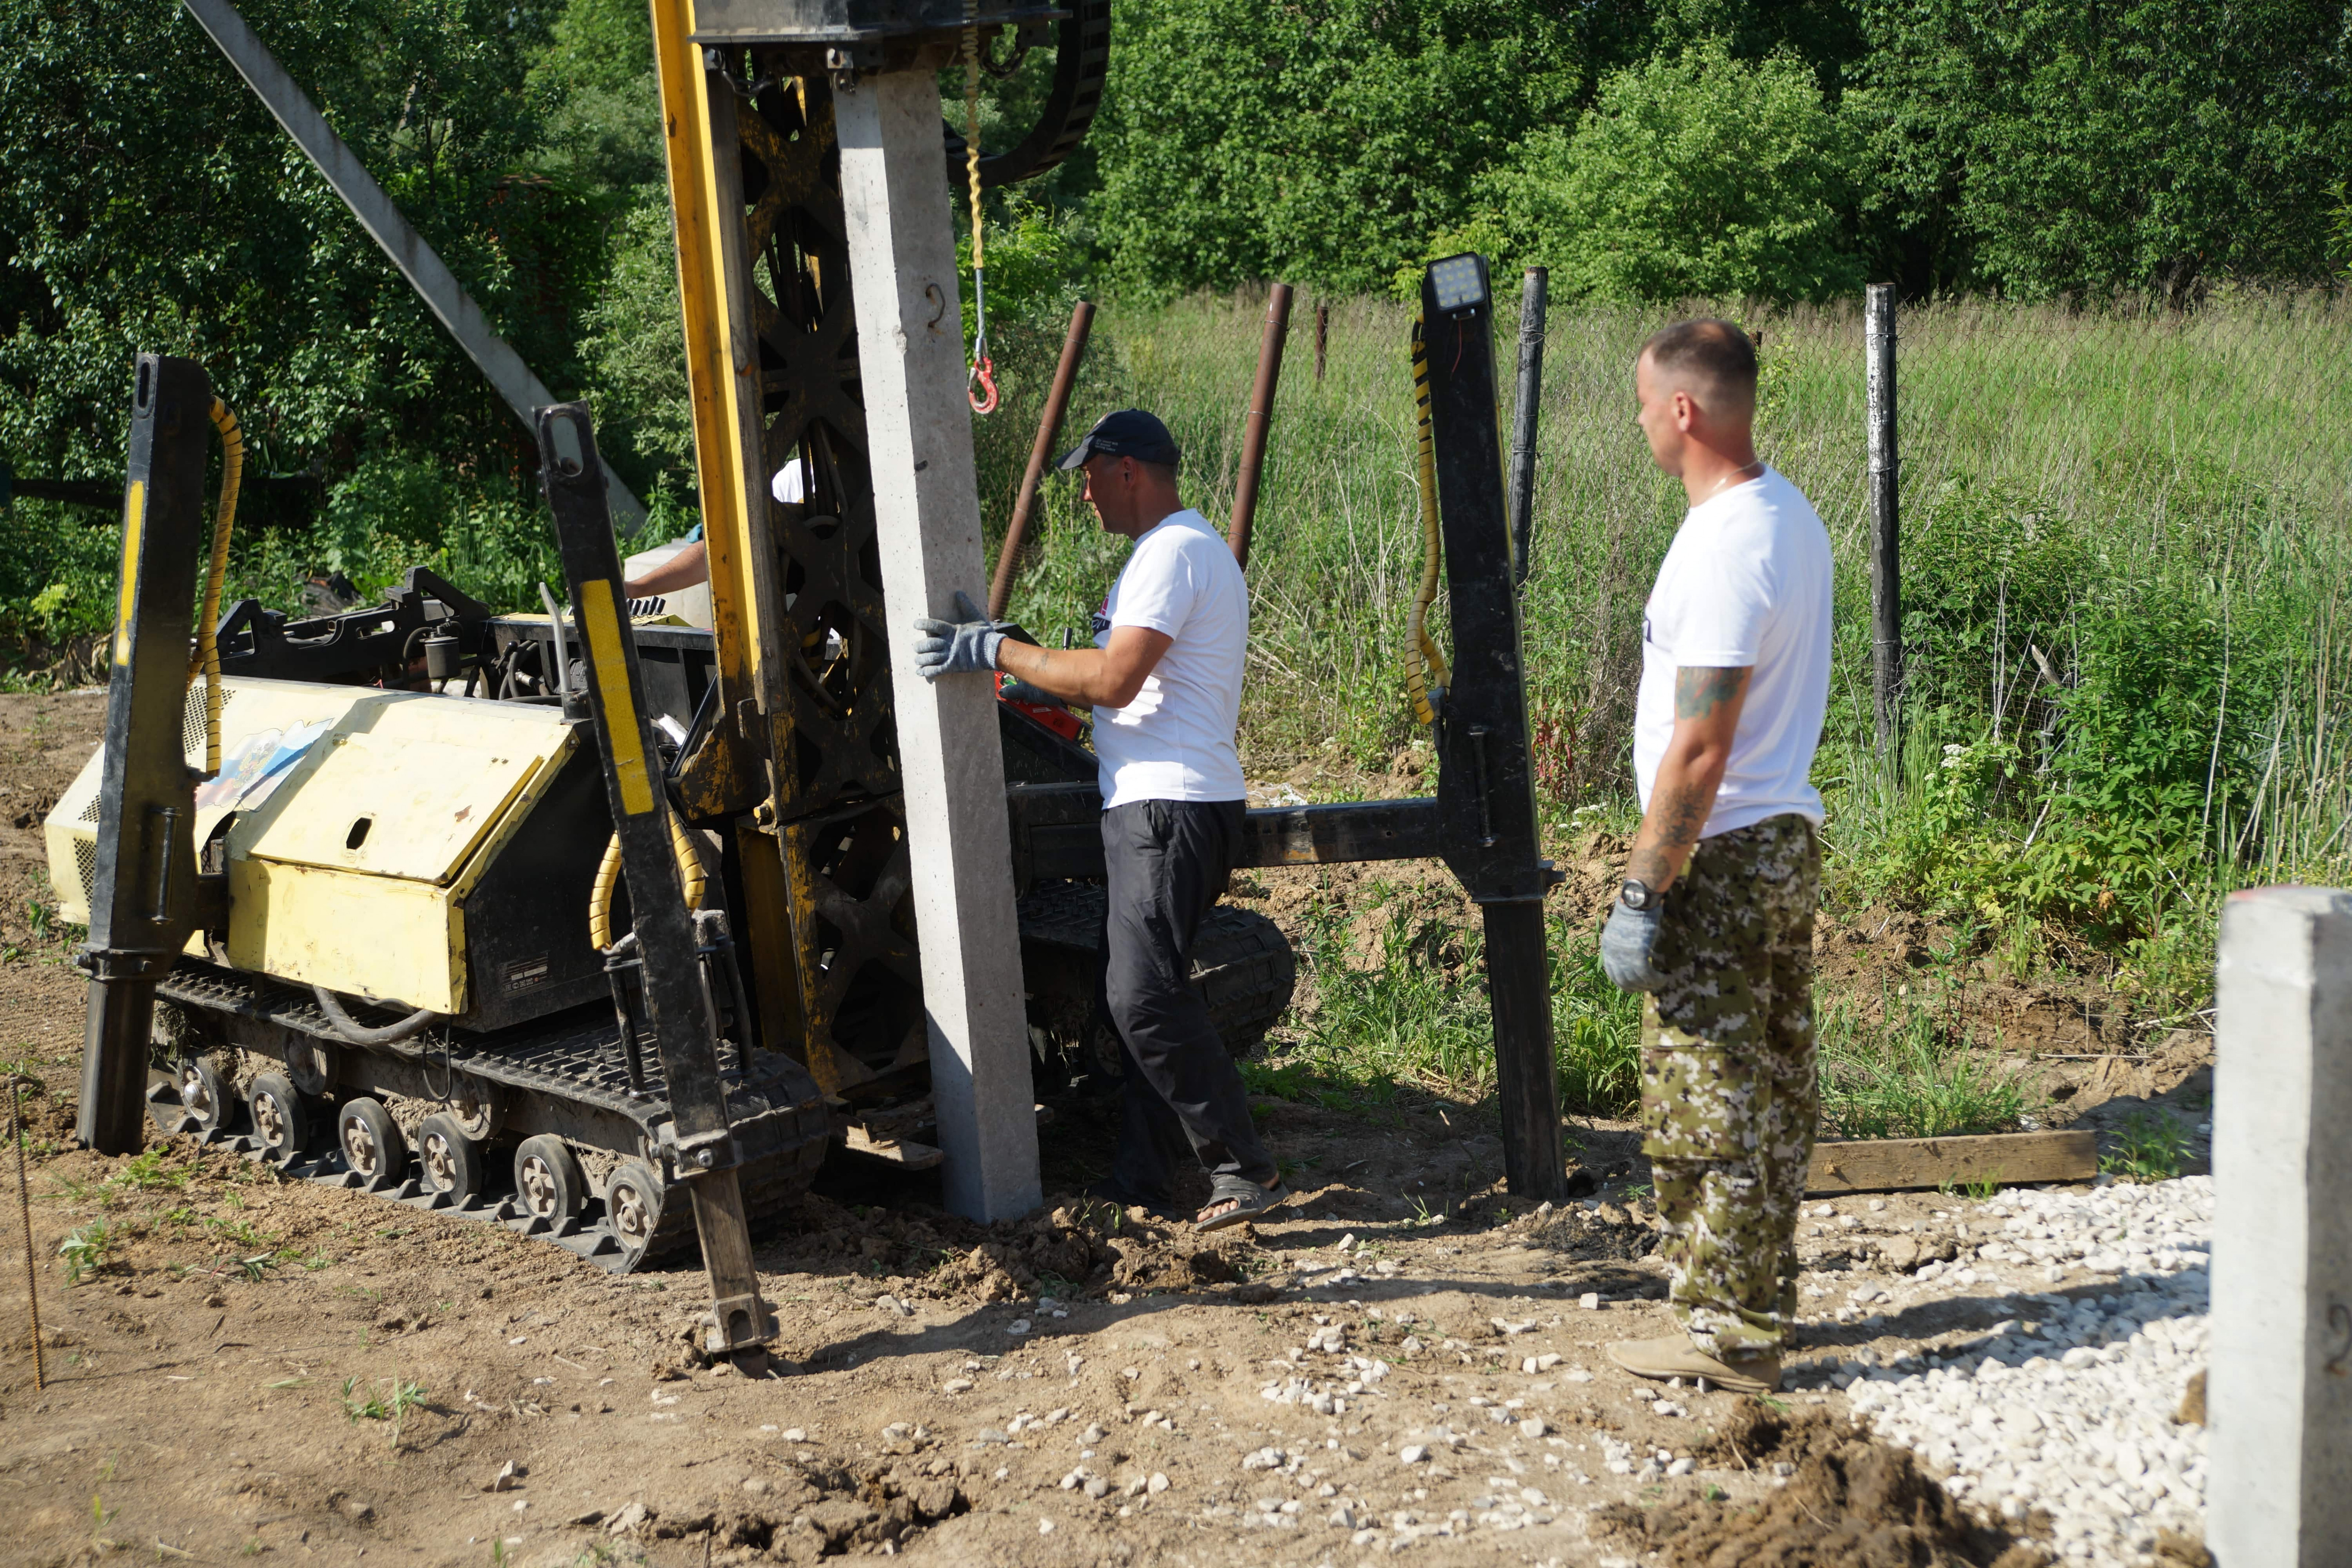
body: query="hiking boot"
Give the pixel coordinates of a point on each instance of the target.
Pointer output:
(1675, 1356)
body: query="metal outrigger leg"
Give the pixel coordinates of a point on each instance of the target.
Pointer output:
(678, 1003)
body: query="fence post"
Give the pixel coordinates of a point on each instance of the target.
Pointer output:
(1532, 297)
(1885, 522)
(2280, 1394)
(1322, 338)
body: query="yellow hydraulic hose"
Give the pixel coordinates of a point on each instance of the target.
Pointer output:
(1424, 665)
(691, 874)
(207, 661)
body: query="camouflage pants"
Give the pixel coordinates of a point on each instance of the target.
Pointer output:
(1728, 1095)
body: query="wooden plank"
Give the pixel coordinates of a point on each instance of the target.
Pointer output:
(2011, 1159)
(903, 1152)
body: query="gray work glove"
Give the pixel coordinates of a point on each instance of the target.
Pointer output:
(960, 647)
(1625, 944)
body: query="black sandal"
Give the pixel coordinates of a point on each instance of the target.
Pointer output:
(1250, 1202)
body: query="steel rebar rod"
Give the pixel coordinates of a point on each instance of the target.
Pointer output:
(25, 1213)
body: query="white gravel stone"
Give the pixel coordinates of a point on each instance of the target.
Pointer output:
(2068, 1407)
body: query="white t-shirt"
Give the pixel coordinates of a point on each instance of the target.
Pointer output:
(1746, 584)
(1175, 740)
(790, 484)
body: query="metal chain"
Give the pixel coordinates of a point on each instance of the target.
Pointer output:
(983, 369)
(25, 1211)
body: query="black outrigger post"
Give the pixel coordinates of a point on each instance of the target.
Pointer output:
(670, 953)
(1486, 789)
(142, 890)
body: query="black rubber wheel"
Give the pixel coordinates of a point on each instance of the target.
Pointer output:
(633, 1203)
(282, 1118)
(372, 1144)
(204, 1094)
(1241, 963)
(448, 1161)
(549, 1183)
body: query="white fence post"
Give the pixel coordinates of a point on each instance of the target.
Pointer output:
(2278, 1392)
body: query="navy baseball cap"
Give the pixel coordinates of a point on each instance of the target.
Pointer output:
(1128, 433)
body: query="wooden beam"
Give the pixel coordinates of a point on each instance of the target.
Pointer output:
(904, 1152)
(2011, 1159)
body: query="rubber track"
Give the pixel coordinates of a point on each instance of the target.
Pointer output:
(565, 1060)
(770, 1187)
(1242, 963)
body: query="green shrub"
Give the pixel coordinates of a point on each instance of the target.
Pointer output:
(1694, 176)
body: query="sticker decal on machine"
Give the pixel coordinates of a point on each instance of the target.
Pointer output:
(526, 973)
(252, 771)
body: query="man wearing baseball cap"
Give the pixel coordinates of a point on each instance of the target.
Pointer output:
(1164, 679)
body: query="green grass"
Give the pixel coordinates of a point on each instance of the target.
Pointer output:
(86, 1249)
(1915, 1074)
(2151, 1147)
(1412, 1013)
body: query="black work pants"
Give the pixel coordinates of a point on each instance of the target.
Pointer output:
(1167, 862)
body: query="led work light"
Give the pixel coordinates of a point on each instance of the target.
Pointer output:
(1460, 282)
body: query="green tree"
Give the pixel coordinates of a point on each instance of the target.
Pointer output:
(1694, 174)
(2044, 147)
(1322, 142)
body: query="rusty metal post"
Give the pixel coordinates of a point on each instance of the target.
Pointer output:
(1049, 427)
(1261, 414)
(1885, 521)
(1322, 338)
(1532, 298)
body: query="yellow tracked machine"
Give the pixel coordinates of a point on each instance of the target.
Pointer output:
(607, 933)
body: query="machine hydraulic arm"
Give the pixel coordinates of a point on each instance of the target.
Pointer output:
(142, 900)
(668, 952)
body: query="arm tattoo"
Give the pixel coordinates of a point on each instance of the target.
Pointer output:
(1699, 691)
(1678, 814)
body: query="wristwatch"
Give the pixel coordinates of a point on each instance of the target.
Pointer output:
(1636, 895)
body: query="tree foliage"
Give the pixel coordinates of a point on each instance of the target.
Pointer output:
(2036, 147)
(1694, 174)
(1324, 141)
(2046, 147)
(152, 203)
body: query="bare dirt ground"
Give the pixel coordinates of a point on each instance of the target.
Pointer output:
(248, 1367)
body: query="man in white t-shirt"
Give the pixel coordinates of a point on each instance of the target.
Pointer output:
(1164, 679)
(1716, 917)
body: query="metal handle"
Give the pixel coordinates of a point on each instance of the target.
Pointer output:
(171, 815)
(1485, 810)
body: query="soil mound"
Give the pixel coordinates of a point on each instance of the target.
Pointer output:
(1851, 1503)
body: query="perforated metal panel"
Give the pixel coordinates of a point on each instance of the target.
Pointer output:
(192, 723)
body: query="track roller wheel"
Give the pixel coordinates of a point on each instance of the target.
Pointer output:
(449, 1161)
(203, 1094)
(281, 1119)
(475, 1107)
(372, 1144)
(633, 1203)
(549, 1183)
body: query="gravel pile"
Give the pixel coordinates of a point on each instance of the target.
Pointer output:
(2068, 1408)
